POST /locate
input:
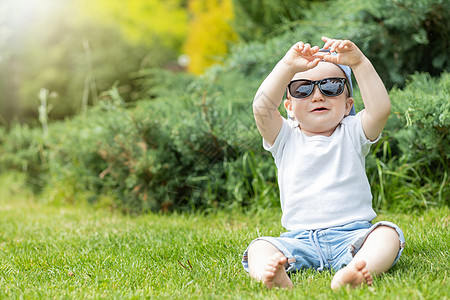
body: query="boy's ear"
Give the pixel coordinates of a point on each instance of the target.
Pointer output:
(288, 105)
(348, 105)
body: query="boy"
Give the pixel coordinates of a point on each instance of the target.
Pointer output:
(319, 153)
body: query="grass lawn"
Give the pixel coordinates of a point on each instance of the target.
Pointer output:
(49, 251)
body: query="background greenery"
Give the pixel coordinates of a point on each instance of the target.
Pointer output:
(103, 133)
(139, 135)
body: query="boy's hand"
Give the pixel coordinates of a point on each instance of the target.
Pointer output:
(302, 57)
(348, 53)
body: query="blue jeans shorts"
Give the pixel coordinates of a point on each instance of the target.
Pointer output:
(332, 248)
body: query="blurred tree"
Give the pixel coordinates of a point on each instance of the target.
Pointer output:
(257, 19)
(406, 36)
(150, 22)
(210, 34)
(78, 48)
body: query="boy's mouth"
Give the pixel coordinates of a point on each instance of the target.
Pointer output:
(319, 109)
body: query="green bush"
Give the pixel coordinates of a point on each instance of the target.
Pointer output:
(409, 168)
(192, 143)
(259, 19)
(74, 163)
(22, 149)
(195, 146)
(180, 150)
(423, 108)
(399, 37)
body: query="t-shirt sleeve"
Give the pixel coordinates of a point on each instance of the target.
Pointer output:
(354, 128)
(277, 148)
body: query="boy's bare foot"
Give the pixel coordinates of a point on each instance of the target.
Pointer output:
(274, 274)
(354, 274)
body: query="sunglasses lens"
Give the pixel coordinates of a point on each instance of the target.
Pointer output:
(332, 86)
(301, 89)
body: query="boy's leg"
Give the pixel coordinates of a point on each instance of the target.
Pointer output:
(267, 264)
(376, 256)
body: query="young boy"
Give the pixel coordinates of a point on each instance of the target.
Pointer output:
(320, 155)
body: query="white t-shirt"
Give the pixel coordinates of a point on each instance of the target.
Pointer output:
(322, 180)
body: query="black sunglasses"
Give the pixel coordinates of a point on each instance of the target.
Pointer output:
(302, 88)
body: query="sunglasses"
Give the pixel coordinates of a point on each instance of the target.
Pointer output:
(302, 88)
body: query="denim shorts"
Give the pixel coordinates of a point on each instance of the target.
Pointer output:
(332, 248)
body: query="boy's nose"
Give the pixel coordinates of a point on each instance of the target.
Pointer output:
(317, 94)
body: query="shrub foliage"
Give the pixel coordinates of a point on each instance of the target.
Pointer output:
(191, 142)
(399, 37)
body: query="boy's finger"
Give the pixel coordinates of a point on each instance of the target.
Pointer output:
(345, 44)
(335, 45)
(306, 48)
(331, 58)
(325, 39)
(314, 63)
(298, 47)
(330, 43)
(314, 50)
(327, 43)
(320, 54)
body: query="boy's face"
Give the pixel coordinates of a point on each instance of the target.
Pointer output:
(318, 114)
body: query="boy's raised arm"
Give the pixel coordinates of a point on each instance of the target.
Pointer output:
(268, 99)
(375, 97)
(300, 57)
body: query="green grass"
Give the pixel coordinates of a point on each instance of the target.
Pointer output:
(61, 251)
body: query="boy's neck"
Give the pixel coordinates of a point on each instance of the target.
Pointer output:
(327, 133)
